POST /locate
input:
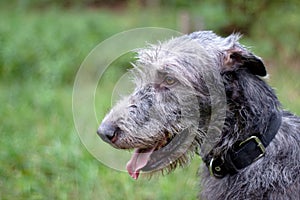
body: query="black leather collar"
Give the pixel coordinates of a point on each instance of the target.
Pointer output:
(244, 153)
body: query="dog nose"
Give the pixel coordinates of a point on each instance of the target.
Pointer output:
(108, 132)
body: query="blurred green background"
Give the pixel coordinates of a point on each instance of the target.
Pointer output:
(43, 43)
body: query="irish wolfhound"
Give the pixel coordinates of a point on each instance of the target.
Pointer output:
(203, 94)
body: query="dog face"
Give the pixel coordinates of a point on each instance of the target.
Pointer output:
(153, 115)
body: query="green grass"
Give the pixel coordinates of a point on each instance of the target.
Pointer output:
(287, 86)
(41, 154)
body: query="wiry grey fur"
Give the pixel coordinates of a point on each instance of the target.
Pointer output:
(213, 75)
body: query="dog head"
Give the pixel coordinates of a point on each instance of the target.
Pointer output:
(179, 103)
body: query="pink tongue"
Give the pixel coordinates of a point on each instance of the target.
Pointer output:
(138, 161)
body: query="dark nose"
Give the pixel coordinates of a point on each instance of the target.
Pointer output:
(108, 132)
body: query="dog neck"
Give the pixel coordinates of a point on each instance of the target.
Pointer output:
(243, 153)
(252, 121)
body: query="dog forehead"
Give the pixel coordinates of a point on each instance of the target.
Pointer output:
(169, 53)
(198, 43)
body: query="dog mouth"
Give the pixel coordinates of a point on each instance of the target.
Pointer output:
(138, 161)
(161, 155)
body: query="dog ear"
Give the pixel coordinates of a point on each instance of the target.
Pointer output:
(242, 58)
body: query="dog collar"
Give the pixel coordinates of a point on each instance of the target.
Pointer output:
(244, 153)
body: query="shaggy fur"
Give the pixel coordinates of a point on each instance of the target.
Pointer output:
(201, 93)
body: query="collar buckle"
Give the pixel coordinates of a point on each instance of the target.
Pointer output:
(259, 145)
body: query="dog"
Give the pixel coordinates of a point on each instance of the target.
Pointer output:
(202, 94)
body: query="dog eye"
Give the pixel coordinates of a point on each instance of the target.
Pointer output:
(169, 80)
